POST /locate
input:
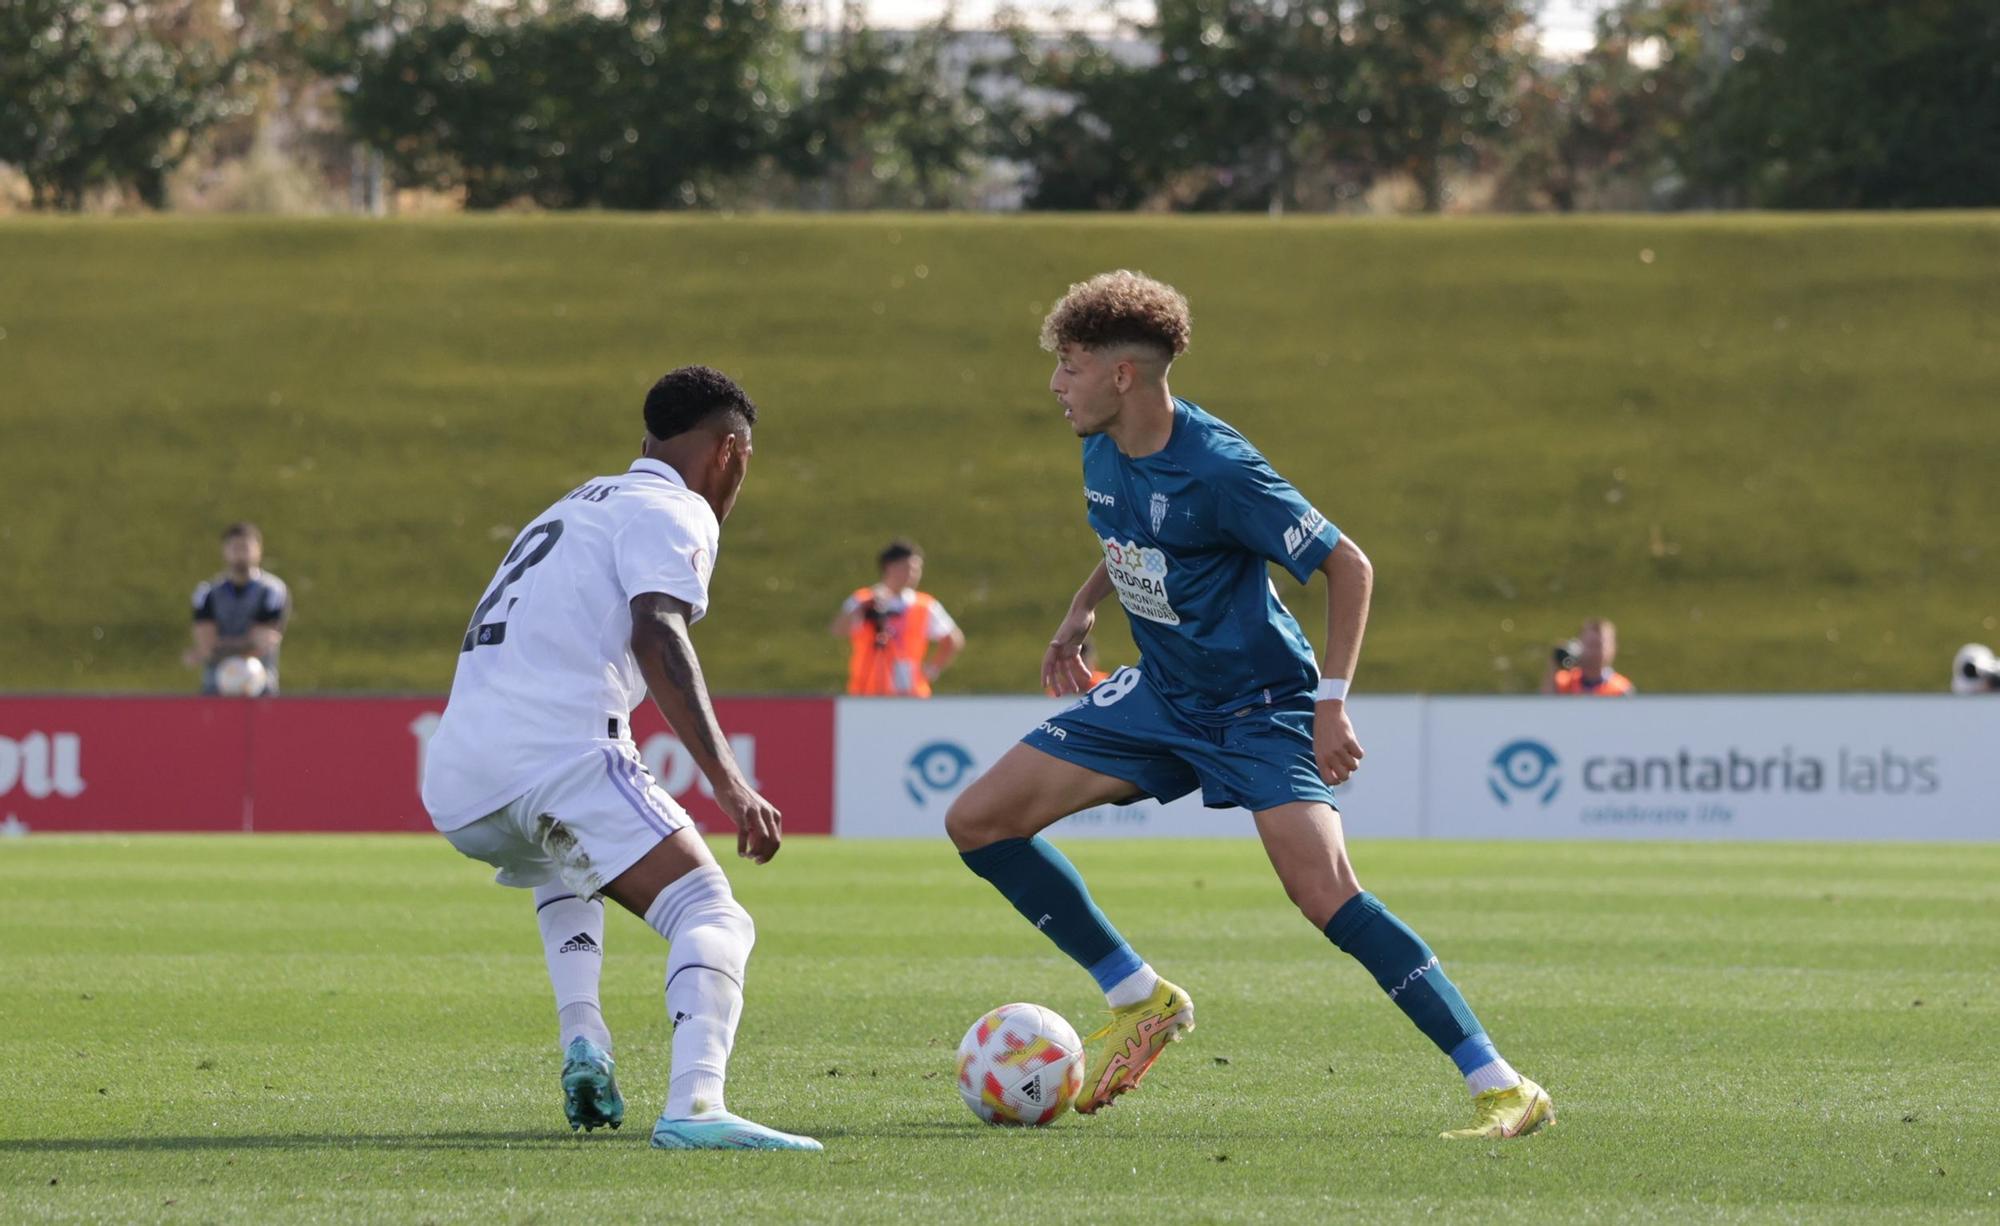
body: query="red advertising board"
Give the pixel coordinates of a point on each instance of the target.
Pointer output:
(785, 745)
(125, 763)
(339, 763)
(334, 764)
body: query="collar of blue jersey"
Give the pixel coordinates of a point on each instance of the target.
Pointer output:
(657, 468)
(1183, 414)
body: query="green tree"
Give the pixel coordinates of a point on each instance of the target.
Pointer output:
(1245, 104)
(91, 96)
(647, 108)
(1092, 147)
(1853, 104)
(1256, 104)
(1439, 80)
(885, 125)
(1614, 128)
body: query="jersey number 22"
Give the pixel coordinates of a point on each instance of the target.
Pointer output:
(542, 537)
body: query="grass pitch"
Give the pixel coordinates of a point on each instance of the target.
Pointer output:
(359, 1029)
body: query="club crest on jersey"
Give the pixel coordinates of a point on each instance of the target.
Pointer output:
(1159, 513)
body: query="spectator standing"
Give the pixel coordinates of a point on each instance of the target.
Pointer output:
(240, 612)
(900, 639)
(1584, 666)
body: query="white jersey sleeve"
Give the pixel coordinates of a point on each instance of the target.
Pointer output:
(672, 552)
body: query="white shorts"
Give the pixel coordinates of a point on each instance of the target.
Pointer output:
(584, 823)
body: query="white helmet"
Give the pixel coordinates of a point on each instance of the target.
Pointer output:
(1975, 670)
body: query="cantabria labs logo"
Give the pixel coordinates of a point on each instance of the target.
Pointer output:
(1524, 768)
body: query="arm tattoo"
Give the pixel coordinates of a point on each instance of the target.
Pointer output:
(677, 660)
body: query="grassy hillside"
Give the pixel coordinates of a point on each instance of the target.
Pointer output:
(1766, 446)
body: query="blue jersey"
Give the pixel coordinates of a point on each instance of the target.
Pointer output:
(1186, 533)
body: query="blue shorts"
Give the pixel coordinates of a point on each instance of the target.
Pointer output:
(1259, 759)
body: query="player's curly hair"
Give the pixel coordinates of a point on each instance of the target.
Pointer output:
(1120, 308)
(685, 398)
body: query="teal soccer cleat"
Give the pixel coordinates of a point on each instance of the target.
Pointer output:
(590, 1092)
(721, 1130)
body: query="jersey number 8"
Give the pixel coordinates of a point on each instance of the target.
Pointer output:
(1115, 687)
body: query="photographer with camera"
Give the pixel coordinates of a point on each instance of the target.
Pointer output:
(891, 629)
(1583, 665)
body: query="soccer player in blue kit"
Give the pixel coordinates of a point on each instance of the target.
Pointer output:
(1227, 698)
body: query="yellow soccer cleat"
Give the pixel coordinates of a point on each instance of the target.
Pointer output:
(1122, 1052)
(1503, 1114)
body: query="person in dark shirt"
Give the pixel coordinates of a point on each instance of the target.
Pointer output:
(240, 612)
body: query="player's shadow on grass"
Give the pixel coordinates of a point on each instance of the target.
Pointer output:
(908, 1129)
(539, 1139)
(459, 1140)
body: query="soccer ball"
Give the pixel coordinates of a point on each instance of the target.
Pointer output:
(241, 677)
(1020, 1064)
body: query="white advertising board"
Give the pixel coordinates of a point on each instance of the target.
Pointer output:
(899, 764)
(1831, 767)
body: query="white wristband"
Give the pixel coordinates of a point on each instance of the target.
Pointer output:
(1332, 689)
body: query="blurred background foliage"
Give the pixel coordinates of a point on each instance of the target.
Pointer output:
(1204, 105)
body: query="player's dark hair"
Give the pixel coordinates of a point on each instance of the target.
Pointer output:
(243, 528)
(688, 397)
(897, 550)
(1120, 308)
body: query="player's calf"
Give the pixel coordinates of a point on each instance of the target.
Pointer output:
(712, 936)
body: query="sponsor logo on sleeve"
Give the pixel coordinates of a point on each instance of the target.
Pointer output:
(1299, 535)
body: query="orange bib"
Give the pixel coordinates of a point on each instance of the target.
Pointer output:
(888, 653)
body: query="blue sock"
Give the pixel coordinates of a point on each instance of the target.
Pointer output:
(1044, 887)
(1410, 973)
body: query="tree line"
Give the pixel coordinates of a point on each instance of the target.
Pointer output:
(1211, 105)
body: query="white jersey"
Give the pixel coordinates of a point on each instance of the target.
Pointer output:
(546, 670)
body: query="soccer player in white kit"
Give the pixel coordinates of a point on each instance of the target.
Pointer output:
(533, 769)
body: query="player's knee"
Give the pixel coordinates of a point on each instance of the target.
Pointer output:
(718, 936)
(968, 823)
(738, 921)
(1318, 897)
(699, 914)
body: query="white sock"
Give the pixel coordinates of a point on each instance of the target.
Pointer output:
(1134, 988)
(712, 935)
(1498, 1075)
(573, 947)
